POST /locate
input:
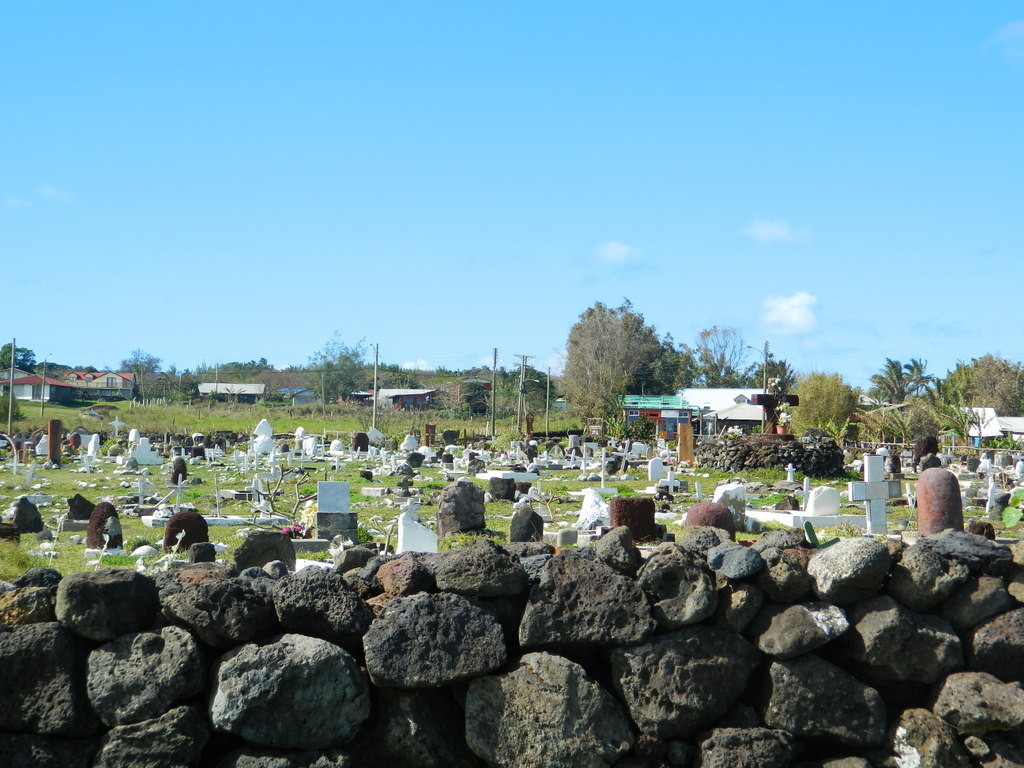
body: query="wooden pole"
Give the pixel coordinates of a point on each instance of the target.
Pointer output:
(494, 390)
(10, 390)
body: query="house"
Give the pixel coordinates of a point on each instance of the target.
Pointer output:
(1012, 426)
(300, 396)
(39, 388)
(667, 412)
(406, 399)
(102, 385)
(242, 393)
(722, 407)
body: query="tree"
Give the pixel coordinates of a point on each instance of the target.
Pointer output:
(778, 371)
(337, 369)
(825, 398)
(24, 359)
(995, 382)
(950, 402)
(721, 359)
(610, 352)
(143, 365)
(898, 381)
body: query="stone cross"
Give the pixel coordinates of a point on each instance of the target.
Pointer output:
(874, 490)
(117, 424)
(771, 402)
(790, 473)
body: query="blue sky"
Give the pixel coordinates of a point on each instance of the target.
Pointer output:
(220, 181)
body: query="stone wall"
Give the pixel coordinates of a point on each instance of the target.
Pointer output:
(704, 653)
(817, 457)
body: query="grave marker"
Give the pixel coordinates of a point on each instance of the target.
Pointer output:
(874, 490)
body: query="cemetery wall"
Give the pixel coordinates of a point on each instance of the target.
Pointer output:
(818, 457)
(702, 653)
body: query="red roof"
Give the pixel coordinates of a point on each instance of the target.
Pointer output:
(35, 378)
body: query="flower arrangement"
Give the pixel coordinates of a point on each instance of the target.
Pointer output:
(297, 531)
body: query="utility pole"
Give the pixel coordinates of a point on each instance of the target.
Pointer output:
(373, 400)
(547, 405)
(10, 391)
(764, 386)
(521, 403)
(42, 392)
(494, 390)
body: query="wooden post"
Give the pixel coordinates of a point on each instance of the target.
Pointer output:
(684, 440)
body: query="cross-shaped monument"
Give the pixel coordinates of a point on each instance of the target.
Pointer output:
(874, 490)
(771, 402)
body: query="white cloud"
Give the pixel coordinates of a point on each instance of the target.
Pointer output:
(13, 202)
(52, 193)
(1009, 41)
(790, 314)
(771, 232)
(614, 252)
(416, 365)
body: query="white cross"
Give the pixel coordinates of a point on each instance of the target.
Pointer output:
(790, 473)
(117, 424)
(874, 490)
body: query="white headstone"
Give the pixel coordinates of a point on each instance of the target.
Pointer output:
(655, 470)
(822, 501)
(790, 473)
(336, 445)
(375, 436)
(263, 429)
(263, 445)
(133, 436)
(311, 445)
(413, 536)
(43, 445)
(300, 433)
(410, 443)
(94, 446)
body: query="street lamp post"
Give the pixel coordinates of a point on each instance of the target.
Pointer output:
(764, 378)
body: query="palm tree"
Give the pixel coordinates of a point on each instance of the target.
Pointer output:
(898, 381)
(917, 380)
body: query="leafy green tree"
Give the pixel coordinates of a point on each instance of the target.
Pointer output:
(24, 359)
(951, 403)
(825, 398)
(610, 351)
(337, 370)
(992, 382)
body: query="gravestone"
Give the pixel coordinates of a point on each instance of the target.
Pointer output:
(637, 514)
(9, 532)
(361, 442)
(262, 547)
(415, 459)
(823, 501)
(410, 443)
(79, 507)
(939, 503)
(187, 522)
(655, 470)
(460, 509)
(43, 446)
(333, 511)
(526, 525)
(104, 520)
(450, 437)
(874, 491)
(179, 471)
(27, 517)
(712, 514)
(413, 536)
(53, 430)
(144, 455)
(429, 434)
(502, 489)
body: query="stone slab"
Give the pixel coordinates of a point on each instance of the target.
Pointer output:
(309, 546)
(519, 477)
(797, 520)
(374, 491)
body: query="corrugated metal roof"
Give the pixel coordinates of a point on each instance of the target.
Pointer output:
(718, 398)
(655, 402)
(231, 388)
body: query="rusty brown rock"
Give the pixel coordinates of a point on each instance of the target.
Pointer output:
(713, 514)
